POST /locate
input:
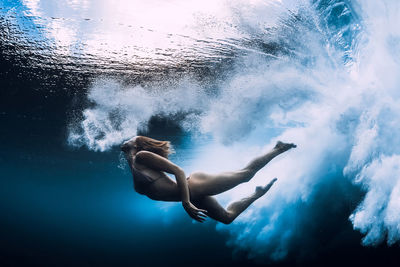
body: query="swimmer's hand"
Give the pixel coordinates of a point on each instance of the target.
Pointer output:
(197, 214)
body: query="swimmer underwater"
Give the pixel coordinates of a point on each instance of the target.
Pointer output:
(148, 161)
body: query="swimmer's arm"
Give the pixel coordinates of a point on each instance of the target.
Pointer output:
(157, 162)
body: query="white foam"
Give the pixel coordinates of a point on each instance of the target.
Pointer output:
(343, 115)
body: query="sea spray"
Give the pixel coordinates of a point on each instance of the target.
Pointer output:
(331, 87)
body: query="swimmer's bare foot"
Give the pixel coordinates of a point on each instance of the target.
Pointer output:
(261, 190)
(282, 147)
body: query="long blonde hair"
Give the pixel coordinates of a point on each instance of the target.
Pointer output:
(162, 148)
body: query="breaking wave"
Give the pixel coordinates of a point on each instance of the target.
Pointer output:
(321, 74)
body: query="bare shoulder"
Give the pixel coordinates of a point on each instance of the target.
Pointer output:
(144, 158)
(155, 161)
(142, 155)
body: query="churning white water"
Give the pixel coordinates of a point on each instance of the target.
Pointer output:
(327, 79)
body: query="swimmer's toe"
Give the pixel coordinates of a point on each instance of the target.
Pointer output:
(284, 146)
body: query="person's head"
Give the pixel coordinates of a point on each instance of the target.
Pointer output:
(139, 143)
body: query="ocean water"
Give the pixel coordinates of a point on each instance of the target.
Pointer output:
(223, 81)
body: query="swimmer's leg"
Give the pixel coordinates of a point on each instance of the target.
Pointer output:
(226, 216)
(212, 184)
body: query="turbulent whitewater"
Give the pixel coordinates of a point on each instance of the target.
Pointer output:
(244, 74)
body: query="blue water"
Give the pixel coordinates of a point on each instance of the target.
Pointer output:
(222, 81)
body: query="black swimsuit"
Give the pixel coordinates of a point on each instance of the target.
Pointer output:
(142, 181)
